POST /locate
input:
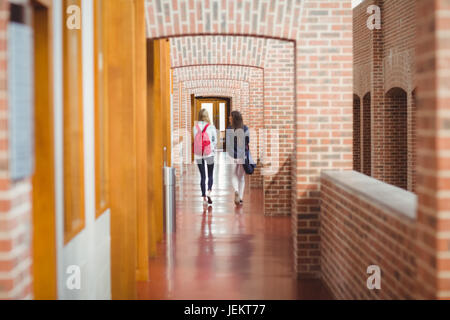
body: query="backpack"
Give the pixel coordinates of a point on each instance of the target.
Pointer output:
(202, 144)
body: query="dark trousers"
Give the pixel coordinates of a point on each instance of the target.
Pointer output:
(201, 167)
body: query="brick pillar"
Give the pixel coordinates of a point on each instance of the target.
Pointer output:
(257, 111)
(433, 149)
(324, 117)
(15, 197)
(377, 101)
(412, 141)
(279, 112)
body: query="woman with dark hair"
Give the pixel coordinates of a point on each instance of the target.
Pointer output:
(238, 139)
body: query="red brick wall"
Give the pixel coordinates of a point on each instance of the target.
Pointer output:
(356, 233)
(15, 198)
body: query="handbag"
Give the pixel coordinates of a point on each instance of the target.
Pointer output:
(249, 165)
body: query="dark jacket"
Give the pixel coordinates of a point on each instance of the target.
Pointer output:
(234, 148)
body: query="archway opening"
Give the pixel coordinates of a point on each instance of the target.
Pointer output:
(396, 138)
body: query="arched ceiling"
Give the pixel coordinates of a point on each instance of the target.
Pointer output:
(232, 84)
(249, 51)
(269, 18)
(206, 72)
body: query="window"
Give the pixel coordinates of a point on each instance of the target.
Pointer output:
(73, 130)
(101, 116)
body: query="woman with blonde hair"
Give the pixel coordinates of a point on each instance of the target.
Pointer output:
(205, 141)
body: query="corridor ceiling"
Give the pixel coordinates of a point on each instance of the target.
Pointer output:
(210, 72)
(249, 51)
(222, 39)
(268, 18)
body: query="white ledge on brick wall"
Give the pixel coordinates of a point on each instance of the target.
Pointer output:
(375, 191)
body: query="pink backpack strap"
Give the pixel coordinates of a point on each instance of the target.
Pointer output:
(206, 127)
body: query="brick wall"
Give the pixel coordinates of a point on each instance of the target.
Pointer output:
(15, 198)
(358, 232)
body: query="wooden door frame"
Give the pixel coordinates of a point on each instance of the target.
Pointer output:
(43, 196)
(195, 103)
(215, 101)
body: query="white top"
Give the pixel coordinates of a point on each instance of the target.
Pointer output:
(212, 134)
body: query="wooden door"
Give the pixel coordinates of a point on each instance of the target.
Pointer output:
(44, 232)
(159, 133)
(193, 116)
(125, 87)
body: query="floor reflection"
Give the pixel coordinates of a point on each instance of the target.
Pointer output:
(226, 252)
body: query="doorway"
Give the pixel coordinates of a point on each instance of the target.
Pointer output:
(219, 109)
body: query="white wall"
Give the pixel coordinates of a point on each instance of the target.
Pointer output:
(90, 249)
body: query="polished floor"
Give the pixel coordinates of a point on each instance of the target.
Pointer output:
(224, 251)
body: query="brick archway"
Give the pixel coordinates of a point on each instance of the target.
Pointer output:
(396, 141)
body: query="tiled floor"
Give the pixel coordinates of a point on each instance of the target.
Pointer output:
(224, 251)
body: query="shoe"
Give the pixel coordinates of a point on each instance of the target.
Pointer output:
(209, 197)
(237, 200)
(241, 202)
